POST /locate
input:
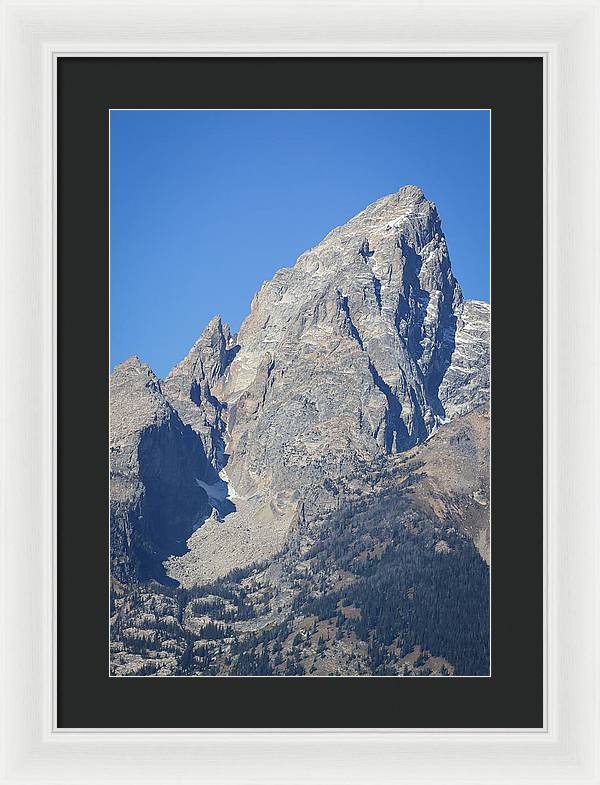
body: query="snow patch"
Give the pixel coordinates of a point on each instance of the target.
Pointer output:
(231, 491)
(216, 492)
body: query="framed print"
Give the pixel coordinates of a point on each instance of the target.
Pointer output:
(306, 495)
(299, 344)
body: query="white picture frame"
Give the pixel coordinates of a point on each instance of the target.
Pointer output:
(566, 34)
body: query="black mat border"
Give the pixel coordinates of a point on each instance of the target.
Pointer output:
(513, 89)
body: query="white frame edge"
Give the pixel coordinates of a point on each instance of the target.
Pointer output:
(566, 34)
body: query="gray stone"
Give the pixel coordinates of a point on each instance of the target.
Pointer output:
(155, 459)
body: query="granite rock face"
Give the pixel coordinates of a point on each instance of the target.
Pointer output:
(191, 385)
(343, 355)
(466, 383)
(155, 462)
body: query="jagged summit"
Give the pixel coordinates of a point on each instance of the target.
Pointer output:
(192, 386)
(135, 397)
(133, 365)
(361, 329)
(408, 202)
(414, 192)
(130, 362)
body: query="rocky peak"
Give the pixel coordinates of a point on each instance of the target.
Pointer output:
(390, 263)
(155, 462)
(136, 398)
(193, 385)
(206, 361)
(361, 330)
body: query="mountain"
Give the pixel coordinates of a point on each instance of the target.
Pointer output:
(359, 374)
(155, 459)
(190, 385)
(344, 352)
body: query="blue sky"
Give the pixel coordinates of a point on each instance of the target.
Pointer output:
(206, 205)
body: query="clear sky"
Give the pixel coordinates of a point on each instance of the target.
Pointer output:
(206, 205)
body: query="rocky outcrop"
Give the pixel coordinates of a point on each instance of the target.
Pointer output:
(466, 383)
(155, 462)
(193, 384)
(461, 495)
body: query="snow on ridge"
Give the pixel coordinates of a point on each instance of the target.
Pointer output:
(217, 491)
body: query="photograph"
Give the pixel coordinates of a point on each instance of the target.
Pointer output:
(300, 325)
(300, 393)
